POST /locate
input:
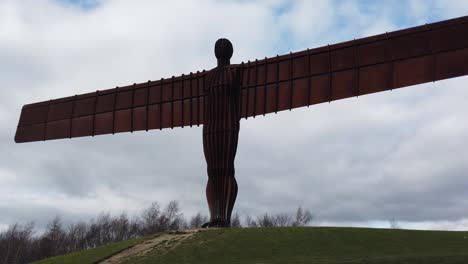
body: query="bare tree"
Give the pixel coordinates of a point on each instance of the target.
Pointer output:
(14, 244)
(120, 228)
(303, 217)
(175, 219)
(135, 227)
(394, 223)
(282, 219)
(52, 241)
(265, 221)
(249, 222)
(76, 237)
(104, 224)
(235, 222)
(198, 220)
(151, 219)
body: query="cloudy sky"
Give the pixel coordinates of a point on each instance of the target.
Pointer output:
(401, 154)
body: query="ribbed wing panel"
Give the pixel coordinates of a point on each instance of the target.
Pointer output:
(392, 60)
(174, 102)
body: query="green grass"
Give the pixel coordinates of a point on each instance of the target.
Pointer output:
(317, 245)
(92, 255)
(297, 245)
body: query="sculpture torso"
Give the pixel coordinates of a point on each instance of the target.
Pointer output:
(222, 107)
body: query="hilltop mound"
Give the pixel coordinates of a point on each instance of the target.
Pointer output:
(294, 245)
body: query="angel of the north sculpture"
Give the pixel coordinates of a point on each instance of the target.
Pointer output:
(220, 97)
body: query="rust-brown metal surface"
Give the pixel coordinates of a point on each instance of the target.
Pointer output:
(392, 60)
(219, 98)
(220, 135)
(167, 103)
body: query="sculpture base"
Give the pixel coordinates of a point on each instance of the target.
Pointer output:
(215, 224)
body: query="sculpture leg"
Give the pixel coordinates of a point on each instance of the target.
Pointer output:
(221, 189)
(221, 193)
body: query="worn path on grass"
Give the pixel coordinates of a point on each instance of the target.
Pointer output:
(165, 241)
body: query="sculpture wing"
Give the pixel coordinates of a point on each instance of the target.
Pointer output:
(174, 102)
(392, 60)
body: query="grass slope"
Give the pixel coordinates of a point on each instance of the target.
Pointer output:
(298, 245)
(317, 245)
(92, 255)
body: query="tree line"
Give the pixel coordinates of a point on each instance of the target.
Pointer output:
(21, 243)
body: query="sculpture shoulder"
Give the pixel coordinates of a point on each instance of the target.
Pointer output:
(234, 69)
(230, 74)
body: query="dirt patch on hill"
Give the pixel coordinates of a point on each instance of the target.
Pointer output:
(162, 243)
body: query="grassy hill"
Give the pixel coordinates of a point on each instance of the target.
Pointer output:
(302, 245)
(93, 255)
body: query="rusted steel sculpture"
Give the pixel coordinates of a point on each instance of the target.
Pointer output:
(220, 134)
(219, 98)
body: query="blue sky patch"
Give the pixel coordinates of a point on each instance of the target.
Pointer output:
(83, 4)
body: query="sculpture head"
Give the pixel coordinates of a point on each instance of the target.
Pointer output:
(223, 51)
